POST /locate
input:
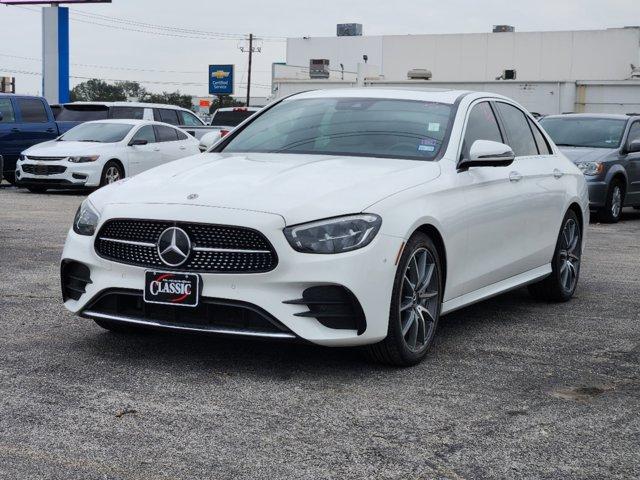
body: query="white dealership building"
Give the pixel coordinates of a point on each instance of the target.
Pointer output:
(548, 72)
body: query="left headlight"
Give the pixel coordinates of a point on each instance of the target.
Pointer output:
(86, 220)
(334, 235)
(87, 159)
(590, 168)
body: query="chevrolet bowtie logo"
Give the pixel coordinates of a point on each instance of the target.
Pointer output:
(220, 74)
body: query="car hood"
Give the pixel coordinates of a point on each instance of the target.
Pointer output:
(297, 187)
(586, 154)
(67, 149)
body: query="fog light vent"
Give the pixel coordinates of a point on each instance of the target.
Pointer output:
(333, 306)
(75, 277)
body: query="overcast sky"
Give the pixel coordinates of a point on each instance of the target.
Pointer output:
(105, 38)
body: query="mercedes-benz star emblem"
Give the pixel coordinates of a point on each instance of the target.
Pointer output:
(174, 246)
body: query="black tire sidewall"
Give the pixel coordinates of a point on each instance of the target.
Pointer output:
(562, 293)
(606, 214)
(394, 335)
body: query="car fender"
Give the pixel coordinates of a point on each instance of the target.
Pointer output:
(617, 169)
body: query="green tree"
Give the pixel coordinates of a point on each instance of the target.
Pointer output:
(173, 98)
(133, 90)
(95, 90)
(225, 101)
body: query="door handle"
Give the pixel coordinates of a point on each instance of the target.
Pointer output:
(15, 130)
(50, 130)
(557, 173)
(156, 149)
(515, 177)
(183, 148)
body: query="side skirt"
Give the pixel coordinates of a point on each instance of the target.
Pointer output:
(498, 288)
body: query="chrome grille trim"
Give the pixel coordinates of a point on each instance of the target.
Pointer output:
(150, 323)
(129, 242)
(227, 250)
(44, 159)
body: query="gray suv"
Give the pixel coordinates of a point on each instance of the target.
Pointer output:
(607, 150)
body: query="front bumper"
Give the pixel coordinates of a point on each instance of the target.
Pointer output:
(368, 273)
(597, 193)
(75, 175)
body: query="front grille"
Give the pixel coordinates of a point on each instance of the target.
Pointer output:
(43, 169)
(214, 315)
(45, 159)
(214, 248)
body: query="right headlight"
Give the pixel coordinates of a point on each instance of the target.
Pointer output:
(334, 235)
(590, 168)
(86, 219)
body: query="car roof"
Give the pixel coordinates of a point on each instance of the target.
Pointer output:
(239, 109)
(429, 95)
(125, 121)
(610, 116)
(130, 104)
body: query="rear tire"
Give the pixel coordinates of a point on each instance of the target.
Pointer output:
(613, 205)
(112, 172)
(565, 265)
(416, 300)
(118, 327)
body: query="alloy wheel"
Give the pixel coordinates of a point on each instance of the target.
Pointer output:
(419, 299)
(616, 201)
(112, 175)
(570, 255)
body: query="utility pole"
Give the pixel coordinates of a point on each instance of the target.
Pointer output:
(251, 48)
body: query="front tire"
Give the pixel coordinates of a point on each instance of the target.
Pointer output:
(415, 306)
(111, 173)
(565, 265)
(613, 205)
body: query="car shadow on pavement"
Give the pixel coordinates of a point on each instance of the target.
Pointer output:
(177, 350)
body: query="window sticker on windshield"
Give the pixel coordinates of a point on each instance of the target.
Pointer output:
(428, 145)
(434, 127)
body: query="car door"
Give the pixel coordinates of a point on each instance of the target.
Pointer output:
(34, 124)
(633, 167)
(186, 145)
(168, 143)
(495, 224)
(542, 185)
(144, 157)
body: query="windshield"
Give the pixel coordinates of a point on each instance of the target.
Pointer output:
(230, 118)
(372, 127)
(97, 132)
(585, 132)
(82, 113)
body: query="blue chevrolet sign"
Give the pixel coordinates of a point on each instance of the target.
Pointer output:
(221, 79)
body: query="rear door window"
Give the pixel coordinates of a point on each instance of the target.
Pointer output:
(482, 125)
(167, 116)
(634, 132)
(519, 134)
(541, 142)
(32, 110)
(127, 113)
(230, 118)
(6, 111)
(165, 134)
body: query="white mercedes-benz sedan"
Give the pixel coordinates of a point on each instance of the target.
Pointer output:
(98, 153)
(344, 218)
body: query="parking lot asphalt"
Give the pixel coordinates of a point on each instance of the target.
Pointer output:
(511, 389)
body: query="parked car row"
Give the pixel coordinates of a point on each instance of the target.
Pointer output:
(28, 120)
(98, 153)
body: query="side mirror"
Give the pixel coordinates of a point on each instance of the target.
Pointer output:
(634, 147)
(139, 141)
(485, 153)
